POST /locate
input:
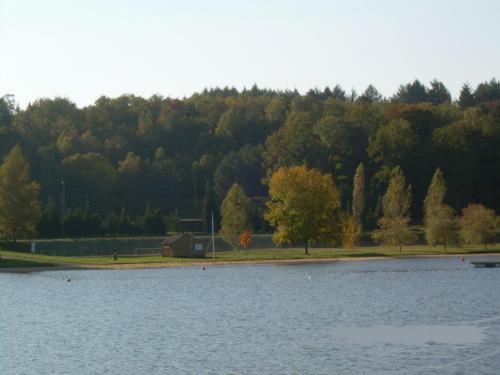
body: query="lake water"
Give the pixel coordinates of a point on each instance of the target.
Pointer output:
(389, 317)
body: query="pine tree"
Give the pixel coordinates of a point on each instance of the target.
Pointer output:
(466, 98)
(19, 207)
(50, 222)
(439, 221)
(395, 207)
(235, 212)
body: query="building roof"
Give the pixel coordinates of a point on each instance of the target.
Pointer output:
(170, 240)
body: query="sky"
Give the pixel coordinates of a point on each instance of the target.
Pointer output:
(85, 49)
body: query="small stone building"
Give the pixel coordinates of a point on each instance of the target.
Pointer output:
(182, 246)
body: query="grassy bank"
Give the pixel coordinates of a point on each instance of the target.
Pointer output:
(362, 252)
(17, 259)
(23, 263)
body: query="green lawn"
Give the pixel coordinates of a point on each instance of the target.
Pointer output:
(9, 258)
(88, 260)
(22, 263)
(371, 251)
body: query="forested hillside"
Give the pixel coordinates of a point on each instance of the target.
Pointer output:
(128, 162)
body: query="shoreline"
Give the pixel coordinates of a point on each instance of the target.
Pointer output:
(210, 263)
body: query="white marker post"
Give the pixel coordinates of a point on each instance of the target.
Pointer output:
(213, 238)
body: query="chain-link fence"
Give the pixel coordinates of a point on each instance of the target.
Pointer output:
(142, 246)
(98, 246)
(130, 246)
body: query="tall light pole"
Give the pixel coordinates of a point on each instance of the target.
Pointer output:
(63, 204)
(195, 199)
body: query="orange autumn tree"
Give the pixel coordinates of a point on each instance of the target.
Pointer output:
(304, 206)
(246, 240)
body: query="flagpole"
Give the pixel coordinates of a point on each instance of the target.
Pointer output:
(213, 238)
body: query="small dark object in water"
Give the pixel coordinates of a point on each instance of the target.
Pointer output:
(486, 264)
(68, 279)
(203, 268)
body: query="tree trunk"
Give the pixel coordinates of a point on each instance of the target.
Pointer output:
(444, 242)
(14, 237)
(306, 247)
(400, 249)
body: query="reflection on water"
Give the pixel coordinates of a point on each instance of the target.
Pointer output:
(417, 335)
(438, 316)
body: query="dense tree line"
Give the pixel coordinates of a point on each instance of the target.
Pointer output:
(129, 162)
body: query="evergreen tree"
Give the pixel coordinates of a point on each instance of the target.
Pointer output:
(172, 221)
(438, 93)
(370, 95)
(152, 222)
(414, 92)
(439, 221)
(19, 206)
(120, 224)
(395, 207)
(487, 91)
(50, 222)
(466, 98)
(235, 212)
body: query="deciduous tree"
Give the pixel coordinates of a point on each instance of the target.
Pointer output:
(19, 207)
(304, 206)
(235, 212)
(395, 207)
(439, 220)
(350, 231)
(352, 225)
(246, 240)
(478, 224)
(358, 194)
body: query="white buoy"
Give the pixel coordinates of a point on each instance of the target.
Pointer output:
(309, 277)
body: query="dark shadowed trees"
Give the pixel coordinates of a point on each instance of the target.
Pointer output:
(124, 151)
(411, 93)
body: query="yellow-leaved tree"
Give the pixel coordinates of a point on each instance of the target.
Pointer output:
(235, 211)
(19, 207)
(304, 206)
(396, 213)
